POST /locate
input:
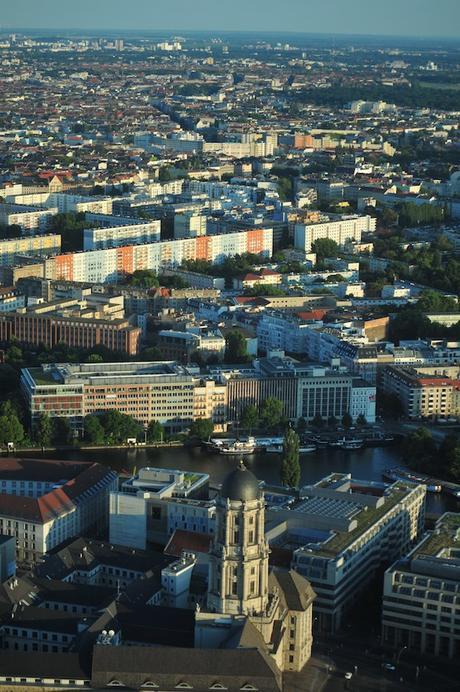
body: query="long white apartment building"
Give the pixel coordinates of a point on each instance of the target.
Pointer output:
(114, 236)
(63, 202)
(341, 531)
(346, 229)
(112, 264)
(421, 594)
(40, 245)
(29, 218)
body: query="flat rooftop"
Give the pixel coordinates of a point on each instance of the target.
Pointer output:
(106, 373)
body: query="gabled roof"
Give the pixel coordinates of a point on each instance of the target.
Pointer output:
(57, 501)
(295, 589)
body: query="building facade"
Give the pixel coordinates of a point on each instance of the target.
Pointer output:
(343, 231)
(42, 509)
(39, 245)
(345, 530)
(423, 395)
(113, 264)
(115, 236)
(166, 392)
(421, 594)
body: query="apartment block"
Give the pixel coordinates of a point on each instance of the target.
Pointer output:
(189, 225)
(341, 531)
(421, 594)
(113, 264)
(191, 343)
(29, 218)
(423, 395)
(38, 245)
(163, 391)
(345, 230)
(115, 236)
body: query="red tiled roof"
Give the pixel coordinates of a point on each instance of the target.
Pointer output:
(312, 314)
(187, 540)
(437, 382)
(269, 272)
(54, 503)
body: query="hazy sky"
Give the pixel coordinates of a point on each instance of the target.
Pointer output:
(389, 17)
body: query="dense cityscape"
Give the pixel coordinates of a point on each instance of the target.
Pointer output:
(229, 361)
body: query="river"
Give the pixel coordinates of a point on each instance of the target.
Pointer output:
(365, 464)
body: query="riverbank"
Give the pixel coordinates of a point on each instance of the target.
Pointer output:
(89, 448)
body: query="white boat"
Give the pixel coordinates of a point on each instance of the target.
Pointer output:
(352, 444)
(238, 447)
(278, 449)
(274, 448)
(307, 449)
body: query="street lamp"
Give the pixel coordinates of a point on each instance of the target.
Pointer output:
(399, 654)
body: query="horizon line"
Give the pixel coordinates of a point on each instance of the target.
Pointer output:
(447, 37)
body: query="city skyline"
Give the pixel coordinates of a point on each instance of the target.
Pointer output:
(415, 18)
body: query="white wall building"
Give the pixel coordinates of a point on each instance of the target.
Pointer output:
(345, 230)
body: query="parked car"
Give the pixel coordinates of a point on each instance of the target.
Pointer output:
(389, 666)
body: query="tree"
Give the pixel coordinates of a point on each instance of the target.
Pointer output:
(318, 421)
(144, 278)
(155, 431)
(118, 427)
(419, 449)
(235, 348)
(332, 422)
(325, 247)
(202, 428)
(347, 420)
(93, 430)
(62, 432)
(434, 301)
(9, 380)
(11, 428)
(361, 420)
(410, 323)
(14, 355)
(70, 227)
(151, 353)
(249, 418)
(285, 189)
(301, 425)
(44, 430)
(290, 466)
(271, 413)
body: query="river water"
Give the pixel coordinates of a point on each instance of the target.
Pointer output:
(364, 464)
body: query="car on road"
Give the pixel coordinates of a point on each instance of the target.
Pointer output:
(348, 675)
(389, 666)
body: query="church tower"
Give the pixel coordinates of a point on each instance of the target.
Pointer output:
(238, 569)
